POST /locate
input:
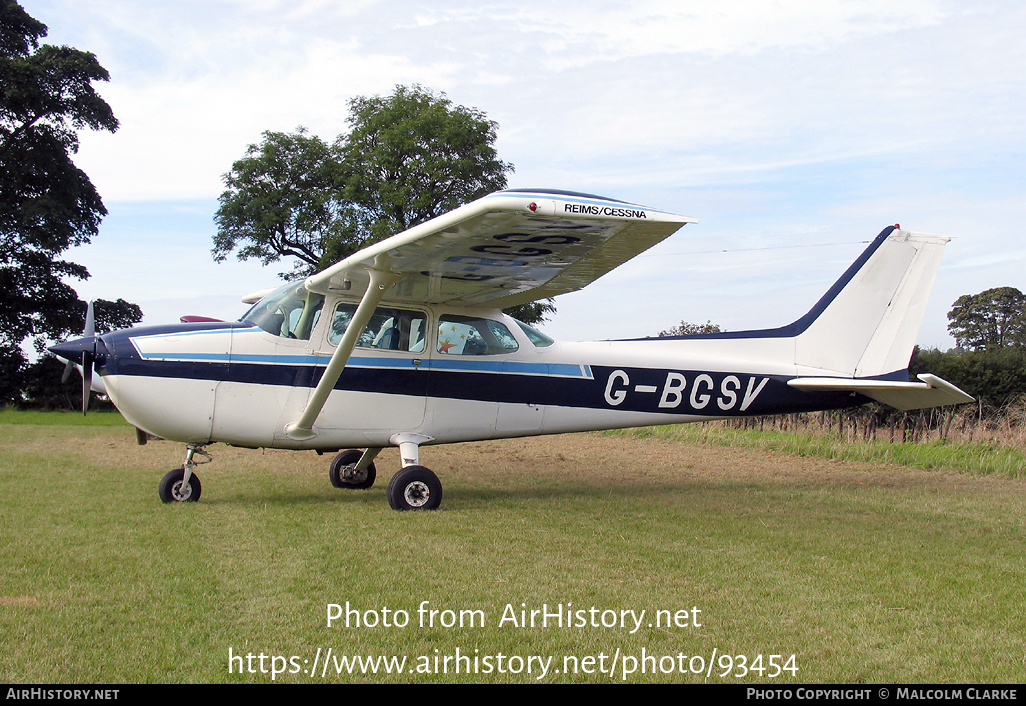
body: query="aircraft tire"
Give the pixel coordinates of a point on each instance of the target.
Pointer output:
(414, 488)
(171, 491)
(348, 458)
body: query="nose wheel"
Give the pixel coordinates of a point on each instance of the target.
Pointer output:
(182, 485)
(174, 488)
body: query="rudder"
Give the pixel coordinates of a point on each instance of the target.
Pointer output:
(866, 325)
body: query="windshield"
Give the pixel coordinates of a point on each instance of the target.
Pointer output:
(539, 339)
(290, 311)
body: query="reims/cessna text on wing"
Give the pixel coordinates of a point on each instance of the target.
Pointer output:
(404, 344)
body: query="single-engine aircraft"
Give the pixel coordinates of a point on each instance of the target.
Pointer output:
(404, 344)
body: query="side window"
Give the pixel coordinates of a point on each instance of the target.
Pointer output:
(388, 329)
(470, 335)
(289, 312)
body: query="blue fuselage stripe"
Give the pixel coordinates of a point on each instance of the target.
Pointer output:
(591, 387)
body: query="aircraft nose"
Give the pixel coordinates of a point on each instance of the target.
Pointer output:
(73, 350)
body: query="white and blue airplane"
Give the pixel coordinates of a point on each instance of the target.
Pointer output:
(404, 344)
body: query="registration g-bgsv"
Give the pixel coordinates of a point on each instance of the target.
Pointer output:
(404, 344)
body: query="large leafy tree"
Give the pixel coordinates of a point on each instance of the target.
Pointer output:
(407, 158)
(990, 361)
(993, 318)
(284, 200)
(47, 204)
(414, 155)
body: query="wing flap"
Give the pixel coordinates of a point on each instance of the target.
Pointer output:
(507, 248)
(931, 391)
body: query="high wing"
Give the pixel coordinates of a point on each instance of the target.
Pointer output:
(507, 248)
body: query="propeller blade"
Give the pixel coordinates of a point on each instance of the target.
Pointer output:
(87, 379)
(87, 358)
(68, 367)
(90, 322)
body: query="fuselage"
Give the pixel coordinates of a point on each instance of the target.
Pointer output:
(449, 375)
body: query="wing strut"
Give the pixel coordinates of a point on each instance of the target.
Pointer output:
(302, 429)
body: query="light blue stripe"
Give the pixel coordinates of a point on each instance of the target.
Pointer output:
(455, 364)
(279, 359)
(489, 366)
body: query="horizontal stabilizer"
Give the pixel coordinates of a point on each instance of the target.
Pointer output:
(930, 392)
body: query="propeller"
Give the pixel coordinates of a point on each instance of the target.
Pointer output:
(81, 352)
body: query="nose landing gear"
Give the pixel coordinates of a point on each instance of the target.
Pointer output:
(182, 485)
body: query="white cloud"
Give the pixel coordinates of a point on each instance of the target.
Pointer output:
(779, 123)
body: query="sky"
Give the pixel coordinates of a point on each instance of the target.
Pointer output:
(794, 131)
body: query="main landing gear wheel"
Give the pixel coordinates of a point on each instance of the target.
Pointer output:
(173, 490)
(414, 488)
(353, 481)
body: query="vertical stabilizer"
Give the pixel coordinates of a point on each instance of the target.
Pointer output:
(866, 325)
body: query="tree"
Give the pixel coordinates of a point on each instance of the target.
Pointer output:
(994, 317)
(283, 199)
(47, 204)
(996, 375)
(414, 155)
(408, 158)
(990, 361)
(686, 328)
(113, 316)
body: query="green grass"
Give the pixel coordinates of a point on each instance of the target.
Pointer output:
(77, 419)
(865, 573)
(983, 457)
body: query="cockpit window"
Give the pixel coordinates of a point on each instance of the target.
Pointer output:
(539, 339)
(388, 329)
(470, 335)
(290, 311)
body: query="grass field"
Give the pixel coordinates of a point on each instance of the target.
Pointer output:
(981, 457)
(864, 572)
